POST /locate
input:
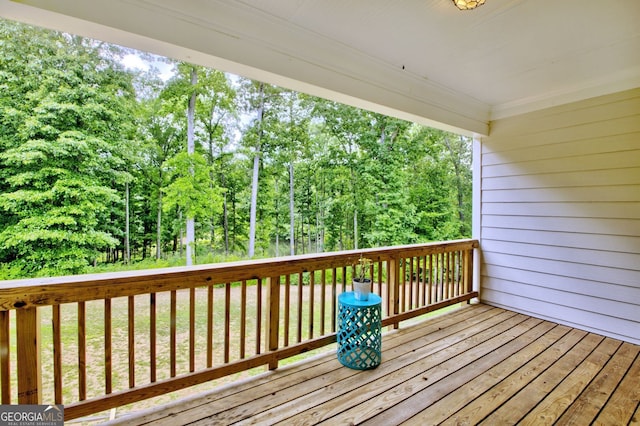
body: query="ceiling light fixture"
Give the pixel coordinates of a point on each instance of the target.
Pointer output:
(468, 4)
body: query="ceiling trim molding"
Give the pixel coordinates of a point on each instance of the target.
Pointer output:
(618, 82)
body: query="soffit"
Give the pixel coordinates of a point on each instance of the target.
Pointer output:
(417, 59)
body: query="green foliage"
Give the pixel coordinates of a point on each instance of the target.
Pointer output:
(63, 158)
(190, 188)
(76, 130)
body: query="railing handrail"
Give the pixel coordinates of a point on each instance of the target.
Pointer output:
(37, 292)
(441, 273)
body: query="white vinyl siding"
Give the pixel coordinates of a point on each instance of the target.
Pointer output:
(560, 214)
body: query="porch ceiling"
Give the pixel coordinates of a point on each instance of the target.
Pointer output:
(421, 60)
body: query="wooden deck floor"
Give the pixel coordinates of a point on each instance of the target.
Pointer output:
(475, 365)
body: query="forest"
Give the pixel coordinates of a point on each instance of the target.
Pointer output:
(103, 166)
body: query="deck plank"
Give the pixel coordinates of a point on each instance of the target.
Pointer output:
(249, 401)
(458, 399)
(478, 409)
(513, 410)
(635, 419)
(417, 376)
(557, 401)
(587, 406)
(625, 399)
(426, 390)
(329, 401)
(477, 364)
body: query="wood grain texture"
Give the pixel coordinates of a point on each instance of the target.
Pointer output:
(151, 294)
(470, 365)
(5, 360)
(20, 294)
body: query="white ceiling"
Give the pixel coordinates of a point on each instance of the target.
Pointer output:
(423, 60)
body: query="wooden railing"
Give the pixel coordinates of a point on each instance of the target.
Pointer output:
(94, 342)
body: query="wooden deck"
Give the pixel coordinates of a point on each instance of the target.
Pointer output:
(475, 365)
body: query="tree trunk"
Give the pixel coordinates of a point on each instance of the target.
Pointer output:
(159, 228)
(225, 224)
(254, 181)
(355, 229)
(225, 213)
(191, 111)
(254, 205)
(277, 214)
(292, 229)
(127, 236)
(233, 222)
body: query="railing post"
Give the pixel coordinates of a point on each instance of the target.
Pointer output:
(28, 354)
(394, 287)
(273, 317)
(5, 378)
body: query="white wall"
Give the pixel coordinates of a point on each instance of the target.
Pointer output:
(560, 214)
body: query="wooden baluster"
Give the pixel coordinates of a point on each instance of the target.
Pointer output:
(28, 356)
(422, 282)
(459, 274)
(323, 300)
(209, 326)
(312, 276)
(82, 351)
(411, 282)
(299, 329)
(415, 282)
(273, 315)
(440, 258)
(192, 330)
(5, 365)
(407, 283)
(379, 264)
(227, 321)
(430, 274)
(287, 305)
(447, 275)
(393, 275)
(444, 275)
(433, 278)
(334, 295)
(259, 316)
(402, 283)
(108, 348)
(152, 337)
(454, 273)
(132, 342)
(172, 334)
(57, 354)
(243, 319)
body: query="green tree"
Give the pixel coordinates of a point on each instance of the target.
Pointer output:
(216, 112)
(442, 182)
(65, 124)
(190, 188)
(162, 139)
